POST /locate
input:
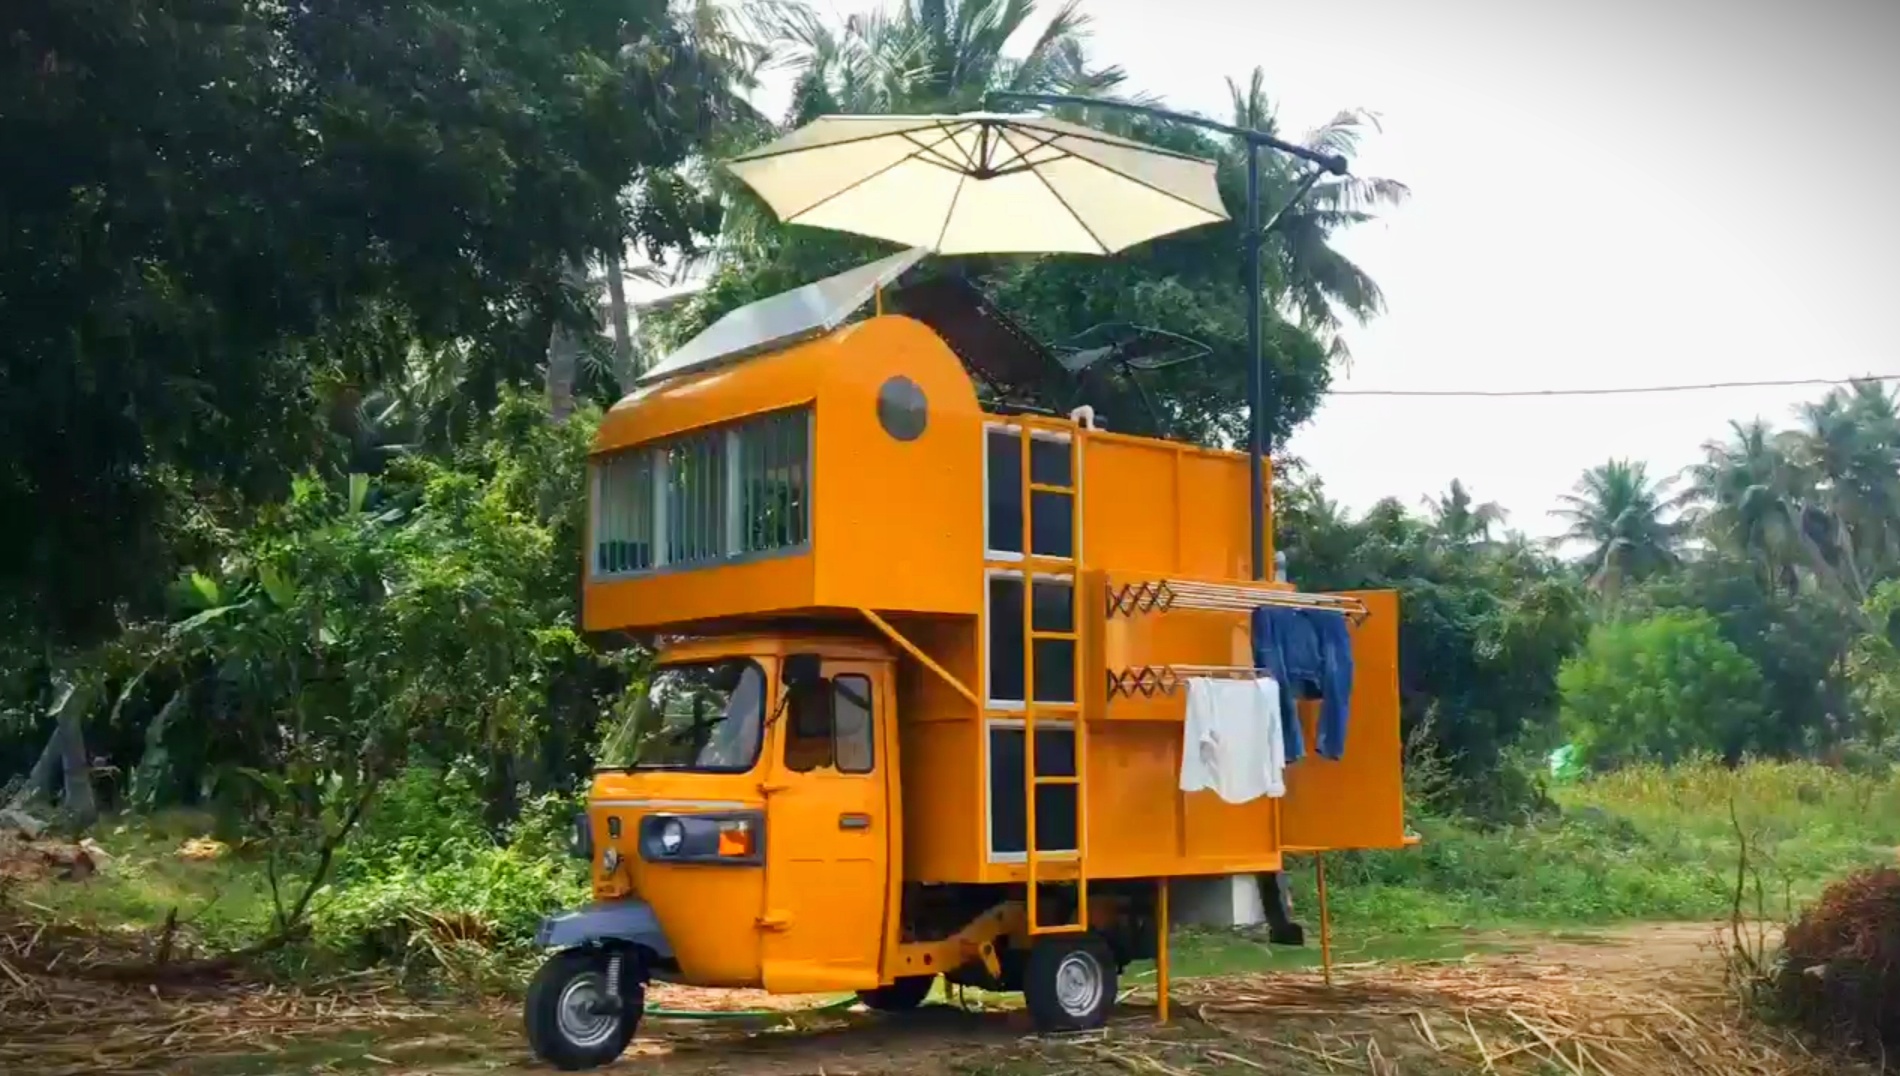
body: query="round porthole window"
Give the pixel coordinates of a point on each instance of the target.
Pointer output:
(902, 409)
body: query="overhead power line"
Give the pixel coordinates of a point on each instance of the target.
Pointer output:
(1632, 390)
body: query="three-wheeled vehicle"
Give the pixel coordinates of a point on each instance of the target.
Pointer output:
(923, 665)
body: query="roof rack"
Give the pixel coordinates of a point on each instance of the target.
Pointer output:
(1165, 595)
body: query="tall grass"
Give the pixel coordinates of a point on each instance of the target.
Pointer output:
(1644, 843)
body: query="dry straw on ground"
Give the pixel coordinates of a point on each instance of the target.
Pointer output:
(1495, 1017)
(62, 1020)
(1483, 1016)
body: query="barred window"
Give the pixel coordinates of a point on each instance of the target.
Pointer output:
(706, 497)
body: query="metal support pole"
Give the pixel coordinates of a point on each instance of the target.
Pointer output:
(1163, 971)
(1256, 376)
(1325, 923)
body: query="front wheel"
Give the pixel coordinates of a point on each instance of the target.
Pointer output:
(1069, 983)
(572, 1018)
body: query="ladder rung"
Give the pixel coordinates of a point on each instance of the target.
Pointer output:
(1044, 487)
(1051, 779)
(1056, 636)
(1060, 928)
(1058, 707)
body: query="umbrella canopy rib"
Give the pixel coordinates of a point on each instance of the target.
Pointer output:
(793, 216)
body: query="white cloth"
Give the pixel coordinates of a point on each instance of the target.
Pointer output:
(1232, 744)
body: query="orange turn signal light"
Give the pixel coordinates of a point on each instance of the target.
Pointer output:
(735, 839)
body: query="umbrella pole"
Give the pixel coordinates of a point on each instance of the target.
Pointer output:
(1256, 373)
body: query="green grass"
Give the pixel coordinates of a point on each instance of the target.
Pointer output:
(1642, 844)
(143, 879)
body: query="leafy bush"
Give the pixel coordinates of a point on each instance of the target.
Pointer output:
(1662, 688)
(425, 886)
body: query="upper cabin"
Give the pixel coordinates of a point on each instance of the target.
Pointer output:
(786, 464)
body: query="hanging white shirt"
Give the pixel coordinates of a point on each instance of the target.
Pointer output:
(1232, 744)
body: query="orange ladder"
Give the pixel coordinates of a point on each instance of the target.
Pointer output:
(1069, 570)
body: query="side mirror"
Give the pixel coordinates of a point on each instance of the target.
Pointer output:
(801, 670)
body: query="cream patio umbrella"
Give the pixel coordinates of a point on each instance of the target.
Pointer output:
(981, 183)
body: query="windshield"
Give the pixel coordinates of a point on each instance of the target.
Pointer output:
(699, 716)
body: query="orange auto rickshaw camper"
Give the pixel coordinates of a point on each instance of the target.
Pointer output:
(880, 676)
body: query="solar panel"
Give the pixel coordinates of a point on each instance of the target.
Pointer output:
(787, 318)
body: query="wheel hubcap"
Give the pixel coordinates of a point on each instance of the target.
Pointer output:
(580, 1023)
(1078, 984)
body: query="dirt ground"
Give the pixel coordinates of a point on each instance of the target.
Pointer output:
(1637, 1001)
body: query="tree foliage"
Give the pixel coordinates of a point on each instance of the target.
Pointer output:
(221, 212)
(1660, 689)
(361, 625)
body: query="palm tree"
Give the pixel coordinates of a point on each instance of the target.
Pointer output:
(1314, 280)
(1459, 522)
(1846, 454)
(1624, 517)
(1748, 500)
(937, 56)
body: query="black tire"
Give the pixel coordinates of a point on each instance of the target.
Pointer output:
(901, 996)
(1069, 983)
(561, 1031)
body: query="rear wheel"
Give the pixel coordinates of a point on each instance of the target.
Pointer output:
(1069, 982)
(901, 996)
(573, 1020)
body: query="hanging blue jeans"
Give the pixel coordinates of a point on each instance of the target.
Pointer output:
(1309, 651)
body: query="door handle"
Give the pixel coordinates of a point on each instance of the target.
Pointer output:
(854, 820)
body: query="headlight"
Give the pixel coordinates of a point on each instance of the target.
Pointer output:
(672, 836)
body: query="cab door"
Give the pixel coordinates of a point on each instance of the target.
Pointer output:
(827, 840)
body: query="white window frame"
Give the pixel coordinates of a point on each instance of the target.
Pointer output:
(989, 804)
(1029, 596)
(1075, 480)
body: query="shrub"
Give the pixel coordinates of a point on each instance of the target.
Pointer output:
(1840, 976)
(424, 886)
(1660, 689)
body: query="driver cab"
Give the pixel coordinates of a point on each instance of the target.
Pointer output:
(752, 787)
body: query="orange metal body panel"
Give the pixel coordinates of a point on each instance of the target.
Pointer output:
(896, 525)
(1358, 801)
(1152, 508)
(943, 791)
(733, 896)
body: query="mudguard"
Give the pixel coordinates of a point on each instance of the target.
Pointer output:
(628, 921)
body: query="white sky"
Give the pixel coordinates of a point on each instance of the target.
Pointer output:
(1604, 194)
